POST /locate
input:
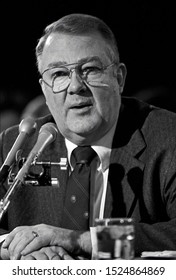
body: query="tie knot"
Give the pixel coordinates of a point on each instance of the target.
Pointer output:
(84, 154)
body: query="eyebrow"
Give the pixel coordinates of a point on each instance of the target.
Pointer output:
(82, 60)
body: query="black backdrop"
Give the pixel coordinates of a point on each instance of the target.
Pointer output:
(145, 31)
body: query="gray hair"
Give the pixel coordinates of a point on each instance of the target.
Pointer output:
(77, 24)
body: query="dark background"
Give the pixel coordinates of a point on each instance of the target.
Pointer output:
(145, 31)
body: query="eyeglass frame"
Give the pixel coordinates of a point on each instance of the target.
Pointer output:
(70, 71)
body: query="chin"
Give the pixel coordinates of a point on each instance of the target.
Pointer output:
(83, 126)
(85, 129)
(83, 132)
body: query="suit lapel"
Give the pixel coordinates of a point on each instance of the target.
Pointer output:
(126, 169)
(124, 180)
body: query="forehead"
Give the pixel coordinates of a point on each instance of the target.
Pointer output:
(67, 49)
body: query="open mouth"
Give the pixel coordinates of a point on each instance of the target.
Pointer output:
(81, 106)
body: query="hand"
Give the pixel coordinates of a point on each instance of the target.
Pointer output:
(24, 240)
(4, 254)
(48, 253)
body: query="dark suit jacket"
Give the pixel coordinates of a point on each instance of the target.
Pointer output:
(141, 183)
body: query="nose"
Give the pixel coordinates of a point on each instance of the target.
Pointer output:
(76, 83)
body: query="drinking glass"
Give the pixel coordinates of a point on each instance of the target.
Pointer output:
(114, 239)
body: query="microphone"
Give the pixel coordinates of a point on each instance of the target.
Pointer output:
(26, 128)
(47, 134)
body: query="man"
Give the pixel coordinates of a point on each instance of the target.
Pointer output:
(82, 79)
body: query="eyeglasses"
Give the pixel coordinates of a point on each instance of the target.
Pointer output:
(59, 78)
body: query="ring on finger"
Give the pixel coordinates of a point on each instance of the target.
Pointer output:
(35, 234)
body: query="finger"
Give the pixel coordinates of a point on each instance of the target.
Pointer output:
(34, 245)
(55, 257)
(38, 255)
(43, 239)
(4, 254)
(64, 255)
(67, 257)
(11, 236)
(50, 252)
(27, 257)
(19, 242)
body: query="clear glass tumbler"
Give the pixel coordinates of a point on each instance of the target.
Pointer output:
(114, 238)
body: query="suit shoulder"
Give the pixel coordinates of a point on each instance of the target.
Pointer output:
(162, 118)
(160, 125)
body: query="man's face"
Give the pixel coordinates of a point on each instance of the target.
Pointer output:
(83, 113)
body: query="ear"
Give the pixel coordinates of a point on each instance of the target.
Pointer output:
(121, 76)
(43, 90)
(41, 84)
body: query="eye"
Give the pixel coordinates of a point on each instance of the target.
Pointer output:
(59, 73)
(91, 70)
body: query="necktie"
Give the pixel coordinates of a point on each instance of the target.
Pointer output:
(77, 200)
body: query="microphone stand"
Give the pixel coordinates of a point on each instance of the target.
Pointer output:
(18, 181)
(4, 203)
(47, 134)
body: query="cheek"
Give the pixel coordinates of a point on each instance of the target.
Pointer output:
(50, 102)
(108, 105)
(55, 104)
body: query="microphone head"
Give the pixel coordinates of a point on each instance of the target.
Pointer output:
(28, 125)
(49, 128)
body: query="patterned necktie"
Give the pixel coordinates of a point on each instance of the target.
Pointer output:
(77, 200)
